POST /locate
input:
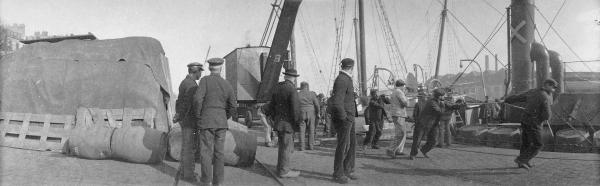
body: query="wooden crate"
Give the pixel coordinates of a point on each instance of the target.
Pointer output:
(117, 118)
(34, 131)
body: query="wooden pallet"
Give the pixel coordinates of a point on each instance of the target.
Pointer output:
(116, 118)
(34, 131)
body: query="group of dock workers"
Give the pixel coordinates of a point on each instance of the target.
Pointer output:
(205, 104)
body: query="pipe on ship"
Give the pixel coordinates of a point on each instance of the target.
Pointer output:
(539, 54)
(558, 73)
(522, 14)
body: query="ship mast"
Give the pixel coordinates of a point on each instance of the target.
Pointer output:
(362, 60)
(439, 53)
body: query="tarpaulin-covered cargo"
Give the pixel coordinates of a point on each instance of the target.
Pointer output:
(58, 78)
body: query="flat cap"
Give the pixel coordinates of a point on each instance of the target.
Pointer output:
(438, 92)
(215, 61)
(347, 62)
(400, 83)
(551, 82)
(195, 64)
(291, 72)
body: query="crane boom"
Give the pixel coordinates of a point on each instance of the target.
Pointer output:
(278, 50)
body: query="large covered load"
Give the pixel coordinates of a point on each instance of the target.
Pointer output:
(58, 78)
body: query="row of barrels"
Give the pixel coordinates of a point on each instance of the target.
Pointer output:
(565, 140)
(139, 144)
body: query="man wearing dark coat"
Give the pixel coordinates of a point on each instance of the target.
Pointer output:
(376, 114)
(184, 115)
(286, 115)
(344, 110)
(215, 103)
(428, 123)
(537, 110)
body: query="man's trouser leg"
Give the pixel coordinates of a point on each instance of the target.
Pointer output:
(370, 135)
(219, 155)
(188, 148)
(534, 141)
(345, 150)
(268, 128)
(302, 133)
(418, 135)
(378, 132)
(400, 136)
(447, 133)
(431, 138)
(311, 129)
(286, 147)
(208, 162)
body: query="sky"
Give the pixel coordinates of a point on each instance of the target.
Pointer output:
(186, 29)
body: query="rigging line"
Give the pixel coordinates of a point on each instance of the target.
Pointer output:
(309, 45)
(490, 5)
(386, 39)
(471, 33)
(393, 40)
(562, 39)
(268, 22)
(377, 41)
(491, 36)
(554, 18)
(582, 61)
(272, 25)
(412, 30)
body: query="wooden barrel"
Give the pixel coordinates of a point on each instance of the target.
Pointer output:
(89, 142)
(139, 144)
(175, 142)
(504, 137)
(240, 146)
(472, 133)
(569, 140)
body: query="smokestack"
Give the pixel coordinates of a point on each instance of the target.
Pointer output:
(496, 62)
(487, 62)
(542, 65)
(522, 14)
(557, 70)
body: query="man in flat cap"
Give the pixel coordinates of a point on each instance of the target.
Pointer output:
(310, 109)
(399, 103)
(286, 115)
(537, 110)
(216, 103)
(184, 115)
(344, 110)
(428, 122)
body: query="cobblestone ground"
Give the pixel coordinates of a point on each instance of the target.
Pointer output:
(458, 165)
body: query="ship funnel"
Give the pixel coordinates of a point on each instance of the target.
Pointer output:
(558, 73)
(539, 54)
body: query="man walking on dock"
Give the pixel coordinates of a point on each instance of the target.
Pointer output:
(344, 110)
(536, 111)
(399, 103)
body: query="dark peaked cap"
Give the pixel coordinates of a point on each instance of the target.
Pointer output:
(195, 64)
(215, 61)
(347, 62)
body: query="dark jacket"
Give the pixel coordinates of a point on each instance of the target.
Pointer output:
(419, 107)
(342, 98)
(308, 101)
(433, 110)
(215, 101)
(285, 107)
(538, 104)
(375, 109)
(184, 106)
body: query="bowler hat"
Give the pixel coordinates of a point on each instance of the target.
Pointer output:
(347, 62)
(215, 61)
(291, 72)
(400, 83)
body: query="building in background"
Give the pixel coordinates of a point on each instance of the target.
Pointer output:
(10, 35)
